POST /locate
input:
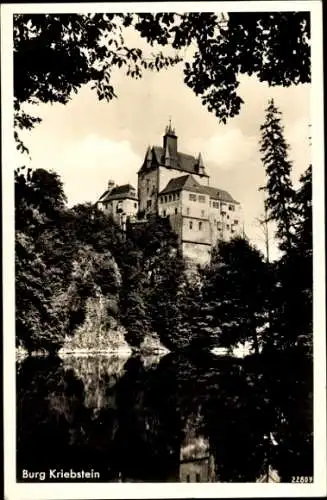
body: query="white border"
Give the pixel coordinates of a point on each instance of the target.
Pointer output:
(24, 491)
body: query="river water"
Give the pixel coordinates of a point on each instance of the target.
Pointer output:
(189, 418)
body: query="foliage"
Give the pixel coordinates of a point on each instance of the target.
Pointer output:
(164, 270)
(293, 297)
(75, 268)
(151, 269)
(62, 260)
(291, 210)
(303, 204)
(235, 292)
(272, 46)
(55, 54)
(39, 198)
(37, 324)
(279, 189)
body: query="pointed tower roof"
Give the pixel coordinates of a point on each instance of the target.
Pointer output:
(148, 154)
(170, 130)
(200, 160)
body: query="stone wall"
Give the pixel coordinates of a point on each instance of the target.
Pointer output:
(148, 190)
(197, 253)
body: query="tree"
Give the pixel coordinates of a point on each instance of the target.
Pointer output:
(293, 298)
(291, 210)
(274, 46)
(37, 325)
(39, 197)
(279, 190)
(303, 206)
(163, 268)
(55, 54)
(235, 292)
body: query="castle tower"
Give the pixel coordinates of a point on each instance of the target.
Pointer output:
(170, 144)
(200, 164)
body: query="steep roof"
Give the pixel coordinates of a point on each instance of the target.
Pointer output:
(188, 183)
(219, 194)
(118, 193)
(185, 182)
(183, 162)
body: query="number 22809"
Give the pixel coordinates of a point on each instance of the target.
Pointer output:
(302, 479)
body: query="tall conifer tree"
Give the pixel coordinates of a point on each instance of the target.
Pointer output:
(279, 189)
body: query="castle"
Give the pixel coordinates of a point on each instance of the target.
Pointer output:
(175, 185)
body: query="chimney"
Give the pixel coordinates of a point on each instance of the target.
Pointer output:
(111, 185)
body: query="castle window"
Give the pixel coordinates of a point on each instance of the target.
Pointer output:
(192, 197)
(135, 205)
(227, 227)
(232, 208)
(202, 213)
(202, 198)
(191, 224)
(149, 203)
(235, 222)
(176, 210)
(215, 204)
(166, 199)
(164, 213)
(200, 226)
(188, 479)
(188, 211)
(170, 197)
(198, 477)
(177, 196)
(174, 196)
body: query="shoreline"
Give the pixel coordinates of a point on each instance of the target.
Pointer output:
(125, 352)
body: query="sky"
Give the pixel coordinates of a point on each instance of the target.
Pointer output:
(89, 142)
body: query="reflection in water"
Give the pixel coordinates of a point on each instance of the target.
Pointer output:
(175, 419)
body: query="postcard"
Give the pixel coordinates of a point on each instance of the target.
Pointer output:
(163, 214)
